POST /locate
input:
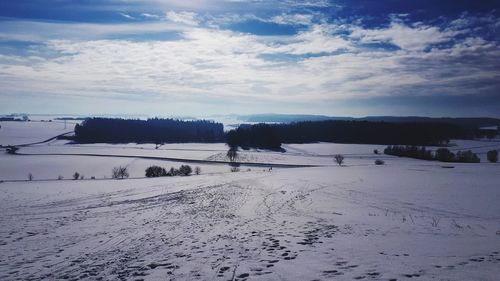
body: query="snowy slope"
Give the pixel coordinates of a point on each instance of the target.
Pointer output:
(382, 223)
(407, 219)
(18, 133)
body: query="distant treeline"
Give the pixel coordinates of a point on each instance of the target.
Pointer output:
(71, 118)
(271, 136)
(441, 154)
(466, 122)
(113, 130)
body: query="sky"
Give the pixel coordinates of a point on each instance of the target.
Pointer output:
(205, 57)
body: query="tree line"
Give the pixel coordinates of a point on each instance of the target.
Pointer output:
(271, 136)
(441, 154)
(156, 130)
(266, 136)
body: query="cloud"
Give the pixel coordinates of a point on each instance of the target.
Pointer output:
(127, 16)
(37, 31)
(408, 37)
(188, 18)
(150, 16)
(293, 19)
(322, 64)
(316, 40)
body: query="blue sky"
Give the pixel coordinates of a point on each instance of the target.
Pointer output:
(186, 57)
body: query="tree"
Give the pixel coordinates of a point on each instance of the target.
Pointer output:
(119, 173)
(172, 172)
(339, 159)
(197, 170)
(492, 156)
(444, 155)
(467, 157)
(155, 171)
(232, 154)
(76, 176)
(185, 170)
(30, 176)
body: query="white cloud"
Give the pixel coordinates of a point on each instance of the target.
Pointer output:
(293, 19)
(127, 16)
(316, 40)
(188, 18)
(150, 16)
(412, 38)
(34, 31)
(208, 64)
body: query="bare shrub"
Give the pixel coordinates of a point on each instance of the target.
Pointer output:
(339, 159)
(435, 221)
(235, 167)
(119, 173)
(197, 170)
(232, 154)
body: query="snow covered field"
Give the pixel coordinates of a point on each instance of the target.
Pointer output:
(19, 133)
(406, 220)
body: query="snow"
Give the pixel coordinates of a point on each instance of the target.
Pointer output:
(18, 133)
(407, 219)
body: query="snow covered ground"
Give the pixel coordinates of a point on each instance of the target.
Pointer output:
(19, 133)
(405, 220)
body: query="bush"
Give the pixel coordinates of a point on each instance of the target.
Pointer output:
(379, 162)
(375, 151)
(185, 170)
(155, 171)
(467, 157)
(76, 176)
(339, 159)
(492, 156)
(172, 172)
(409, 151)
(197, 170)
(119, 172)
(444, 155)
(60, 177)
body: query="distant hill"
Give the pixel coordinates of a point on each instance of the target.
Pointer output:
(287, 118)
(469, 123)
